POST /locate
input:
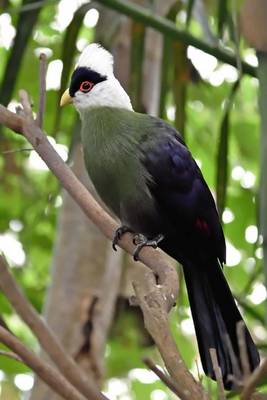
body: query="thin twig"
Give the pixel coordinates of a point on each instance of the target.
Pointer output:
(237, 375)
(15, 151)
(259, 396)
(218, 374)
(236, 35)
(30, 7)
(240, 328)
(163, 377)
(10, 354)
(45, 336)
(26, 104)
(42, 89)
(253, 380)
(47, 373)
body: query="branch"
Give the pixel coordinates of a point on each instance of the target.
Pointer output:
(218, 374)
(11, 355)
(42, 88)
(168, 28)
(11, 120)
(163, 377)
(253, 380)
(151, 301)
(45, 336)
(262, 72)
(47, 373)
(240, 328)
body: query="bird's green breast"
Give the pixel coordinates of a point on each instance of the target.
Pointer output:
(110, 140)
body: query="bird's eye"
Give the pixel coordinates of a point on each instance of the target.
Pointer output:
(86, 86)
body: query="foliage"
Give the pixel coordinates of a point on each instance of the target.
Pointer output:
(30, 197)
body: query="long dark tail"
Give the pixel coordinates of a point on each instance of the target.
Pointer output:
(215, 316)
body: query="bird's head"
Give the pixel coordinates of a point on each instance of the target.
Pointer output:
(93, 83)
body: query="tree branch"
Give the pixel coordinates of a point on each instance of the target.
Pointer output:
(11, 355)
(151, 301)
(253, 380)
(218, 374)
(168, 28)
(44, 335)
(240, 328)
(163, 377)
(48, 374)
(11, 120)
(42, 89)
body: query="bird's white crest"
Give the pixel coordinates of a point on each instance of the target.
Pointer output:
(108, 93)
(95, 57)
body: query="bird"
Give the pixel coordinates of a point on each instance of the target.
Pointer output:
(145, 174)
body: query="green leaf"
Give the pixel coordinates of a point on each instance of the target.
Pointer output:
(189, 9)
(222, 157)
(68, 53)
(222, 16)
(136, 68)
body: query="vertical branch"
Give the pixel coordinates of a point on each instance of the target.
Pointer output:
(243, 349)
(163, 377)
(262, 74)
(218, 374)
(166, 75)
(223, 150)
(42, 88)
(137, 56)
(167, 63)
(180, 85)
(24, 28)
(253, 380)
(68, 53)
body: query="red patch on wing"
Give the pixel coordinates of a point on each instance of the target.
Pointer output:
(202, 225)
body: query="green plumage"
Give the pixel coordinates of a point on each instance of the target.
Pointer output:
(111, 139)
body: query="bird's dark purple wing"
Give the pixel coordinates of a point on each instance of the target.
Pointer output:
(181, 193)
(188, 219)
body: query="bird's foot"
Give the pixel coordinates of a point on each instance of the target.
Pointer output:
(118, 235)
(141, 241)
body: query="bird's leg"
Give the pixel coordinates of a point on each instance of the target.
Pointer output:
(118, 235)
(141, 241)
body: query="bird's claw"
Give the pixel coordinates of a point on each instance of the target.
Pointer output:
(118, 235)
(141, 241)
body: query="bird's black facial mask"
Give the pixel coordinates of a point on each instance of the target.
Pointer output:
(84, 79)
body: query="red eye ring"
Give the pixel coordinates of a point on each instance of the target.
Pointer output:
(86, 86)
